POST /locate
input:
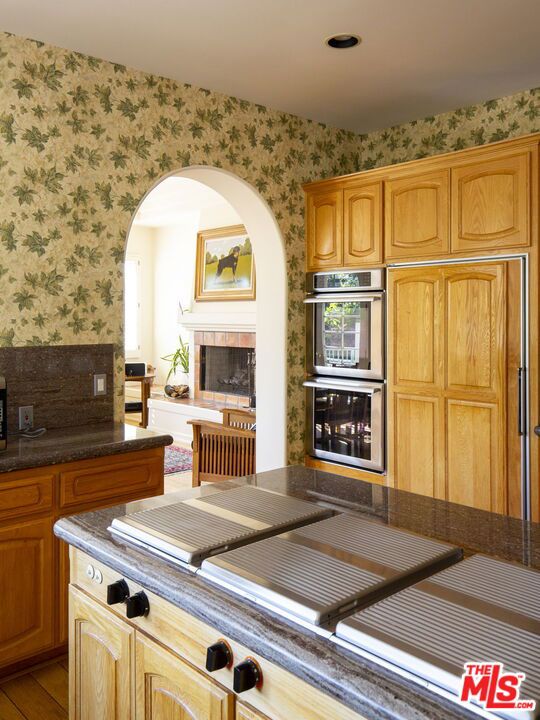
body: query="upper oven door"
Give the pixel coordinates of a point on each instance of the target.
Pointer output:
(346, 335)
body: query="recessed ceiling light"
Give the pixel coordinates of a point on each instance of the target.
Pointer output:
(343, 41)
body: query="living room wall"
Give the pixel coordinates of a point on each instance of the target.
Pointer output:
(82, 140)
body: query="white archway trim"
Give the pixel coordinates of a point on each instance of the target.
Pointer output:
(271, 306)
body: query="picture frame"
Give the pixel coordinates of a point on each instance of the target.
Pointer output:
(224, 266)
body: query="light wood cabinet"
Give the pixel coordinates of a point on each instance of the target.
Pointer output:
(245, 712)
(169, 672)
(491, 204)
(324, 230)
(362, 225)
(417, 211)
(478, 202)
(452, 353)
(34, 565)
(101, 661)
(168, 688)
(27, 582)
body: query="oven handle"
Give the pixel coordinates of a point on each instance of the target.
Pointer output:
(365, 388)
(363, 297)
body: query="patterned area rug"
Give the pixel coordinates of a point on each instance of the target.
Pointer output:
(177, 459)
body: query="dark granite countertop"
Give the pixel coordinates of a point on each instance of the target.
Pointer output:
(63, 445)
(372, 691)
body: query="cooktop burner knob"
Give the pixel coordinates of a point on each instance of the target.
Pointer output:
(137, 605)
(247, 675)
(218, 656)
(117, 592)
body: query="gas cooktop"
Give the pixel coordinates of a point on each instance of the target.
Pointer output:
(186, 532)
(479, 610)
(321, 571)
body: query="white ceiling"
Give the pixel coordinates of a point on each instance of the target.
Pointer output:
(417, 58)
(173, 198)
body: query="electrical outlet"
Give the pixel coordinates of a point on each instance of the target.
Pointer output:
(100, 384)
(26, 417)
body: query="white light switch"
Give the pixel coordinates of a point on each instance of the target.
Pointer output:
(100, 384)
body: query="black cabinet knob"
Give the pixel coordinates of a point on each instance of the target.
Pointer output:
(247, 675)
(137, 605)
(117, 592)
(218, 656)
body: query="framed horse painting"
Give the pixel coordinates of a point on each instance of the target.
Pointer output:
(225, 268)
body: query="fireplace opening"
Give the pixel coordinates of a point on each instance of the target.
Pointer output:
(229, 370)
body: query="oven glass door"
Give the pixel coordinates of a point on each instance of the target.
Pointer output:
(347, 422)
(348, 335)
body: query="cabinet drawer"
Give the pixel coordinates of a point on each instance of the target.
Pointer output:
(112, 479)
(26, 495)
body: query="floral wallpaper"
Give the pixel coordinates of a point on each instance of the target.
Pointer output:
(82, 140)
(488, 122)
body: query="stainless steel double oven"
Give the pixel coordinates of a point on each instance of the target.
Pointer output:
(346, 361)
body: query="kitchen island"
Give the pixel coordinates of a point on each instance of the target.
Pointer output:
(160, 657)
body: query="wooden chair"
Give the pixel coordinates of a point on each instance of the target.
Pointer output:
(221, 452)
(235, 417)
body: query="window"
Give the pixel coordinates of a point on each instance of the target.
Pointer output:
(132, 299)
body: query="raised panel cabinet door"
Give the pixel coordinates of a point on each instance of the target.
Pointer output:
(246, 712)
(101, 662)
(168, 688)
(417, 210)
(491, 204)
(475, 455)
(362, 225)
(415, 316)
(476, 329)
(418, 444)
(324, 230)
(27, 582)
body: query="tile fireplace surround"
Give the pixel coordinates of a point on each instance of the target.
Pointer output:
(219, 339)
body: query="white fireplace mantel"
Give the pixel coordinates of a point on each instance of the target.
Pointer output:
(233, 322)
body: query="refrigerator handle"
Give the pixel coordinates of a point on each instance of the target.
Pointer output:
(521, 404)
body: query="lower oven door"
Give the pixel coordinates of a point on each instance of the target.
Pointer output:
(346, 422)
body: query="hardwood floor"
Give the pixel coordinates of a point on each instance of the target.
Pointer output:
(177, 481)
(40, 694)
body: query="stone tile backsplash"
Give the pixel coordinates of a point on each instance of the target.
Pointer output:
(58, 382)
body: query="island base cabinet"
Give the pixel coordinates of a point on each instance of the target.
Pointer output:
(118, 674)
(246, 712)
(160, 668)
(101, 661)
(169, 689)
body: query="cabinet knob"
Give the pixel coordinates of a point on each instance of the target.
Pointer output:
(137, 605)
(218, 656)
(247, 675)
(117, 592)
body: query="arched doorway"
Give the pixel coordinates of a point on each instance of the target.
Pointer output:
(271, 312)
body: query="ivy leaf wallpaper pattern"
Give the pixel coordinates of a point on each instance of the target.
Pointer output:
(82, 140)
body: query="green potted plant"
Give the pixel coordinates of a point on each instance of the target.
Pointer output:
(179, 360)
